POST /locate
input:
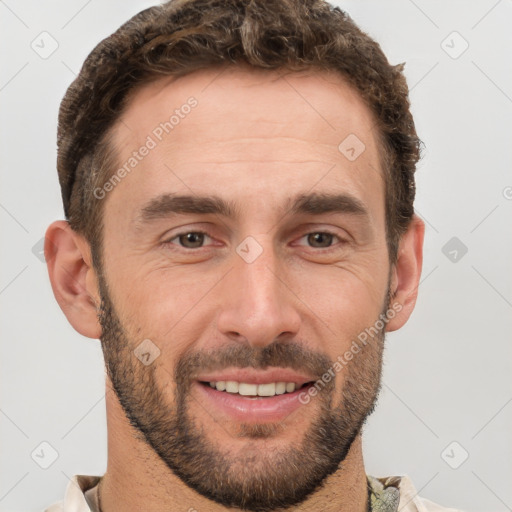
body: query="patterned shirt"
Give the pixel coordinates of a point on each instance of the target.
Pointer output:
(383, 494)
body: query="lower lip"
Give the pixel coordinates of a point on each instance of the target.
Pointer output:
(241, 408)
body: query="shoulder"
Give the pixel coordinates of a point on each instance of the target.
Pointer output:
(74, 499)
(411, 501)
(406, 494)
(56, 507)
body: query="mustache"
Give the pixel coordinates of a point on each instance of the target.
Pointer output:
(296, 356)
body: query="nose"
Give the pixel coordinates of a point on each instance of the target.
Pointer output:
(259, 304)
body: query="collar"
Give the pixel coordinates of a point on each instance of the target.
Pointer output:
(390, 493)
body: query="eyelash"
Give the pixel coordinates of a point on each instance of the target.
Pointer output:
(199, 232)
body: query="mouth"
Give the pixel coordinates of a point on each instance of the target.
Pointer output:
(256, 391)
(249, 402)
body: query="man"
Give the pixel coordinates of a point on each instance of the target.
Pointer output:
(238, 184)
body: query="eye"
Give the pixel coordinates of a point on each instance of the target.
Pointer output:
(190, 239)
(196, 239)
(320, 239)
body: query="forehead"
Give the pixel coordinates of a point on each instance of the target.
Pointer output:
(243, 131)
(301, 103)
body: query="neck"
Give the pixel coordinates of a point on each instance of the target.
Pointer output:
(137, 479)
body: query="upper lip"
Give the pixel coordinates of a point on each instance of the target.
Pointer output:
(253, 376)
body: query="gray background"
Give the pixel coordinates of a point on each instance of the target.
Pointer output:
(447, 372)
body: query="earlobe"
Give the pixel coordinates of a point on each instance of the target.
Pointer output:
(73, 278)
(406, 273)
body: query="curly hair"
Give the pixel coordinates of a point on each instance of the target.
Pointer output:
(182, 36)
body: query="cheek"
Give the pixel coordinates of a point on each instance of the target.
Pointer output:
(345, 300)
(343, 310)
(170, 308)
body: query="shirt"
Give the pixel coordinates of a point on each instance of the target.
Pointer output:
(387, 494)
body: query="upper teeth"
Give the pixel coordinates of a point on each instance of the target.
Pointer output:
(243, 388)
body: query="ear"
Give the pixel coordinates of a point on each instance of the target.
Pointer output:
(406, 273)
(72, 276)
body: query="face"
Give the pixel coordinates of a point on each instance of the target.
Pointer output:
(243, 246)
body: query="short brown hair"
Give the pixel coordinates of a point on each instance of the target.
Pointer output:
(183, 36)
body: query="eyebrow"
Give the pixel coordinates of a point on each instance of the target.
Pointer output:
(167, 205)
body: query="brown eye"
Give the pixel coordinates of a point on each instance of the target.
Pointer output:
(320, 239)
(190, 239)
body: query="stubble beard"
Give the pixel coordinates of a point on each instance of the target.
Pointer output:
(251, 478)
